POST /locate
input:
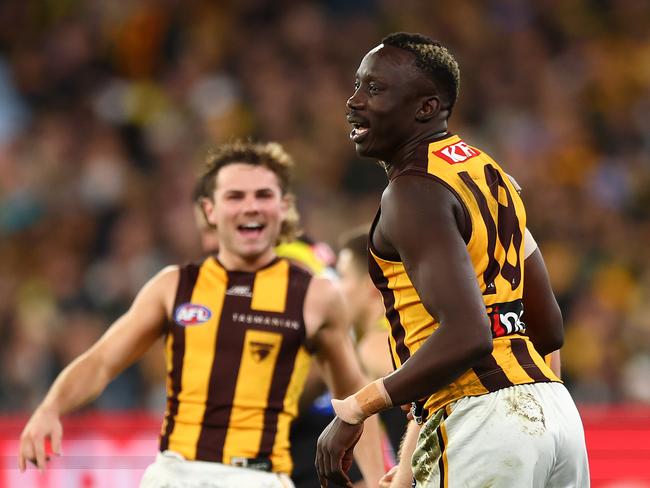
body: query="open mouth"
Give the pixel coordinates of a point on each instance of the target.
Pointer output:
(358, 132)
(250, 229)
(360, 127)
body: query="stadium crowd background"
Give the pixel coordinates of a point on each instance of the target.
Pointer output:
(107, 109)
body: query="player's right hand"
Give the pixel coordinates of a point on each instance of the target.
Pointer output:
(41, 426)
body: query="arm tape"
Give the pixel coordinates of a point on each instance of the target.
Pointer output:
(369, 400)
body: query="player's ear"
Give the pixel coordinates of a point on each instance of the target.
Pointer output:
(429, 107)
(207, 207)
(288, 202)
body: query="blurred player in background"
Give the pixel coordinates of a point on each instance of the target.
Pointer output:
(364, 302)
(240, 329)
(447, 248)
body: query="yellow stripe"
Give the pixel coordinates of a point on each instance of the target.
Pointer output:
(270, 288)
(393, 351)
(254, 380)
(416, 321)
(468, 384)
(383, 266)
(445, 461)
(547, 360)
(200, 346)
(280, 457)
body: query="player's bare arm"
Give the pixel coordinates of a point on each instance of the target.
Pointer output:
(542, 314)
(431, 245)
(328, 334)
(85, 378)
(403, 476)
(374, 355)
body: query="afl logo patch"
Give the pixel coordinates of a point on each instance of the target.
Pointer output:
(190, 314)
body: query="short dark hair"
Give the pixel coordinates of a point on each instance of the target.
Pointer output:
(433, 59)
(270, 155)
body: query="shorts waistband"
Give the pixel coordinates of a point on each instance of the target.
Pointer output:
(258, 463)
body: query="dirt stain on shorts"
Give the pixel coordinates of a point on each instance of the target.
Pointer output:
(528, 409)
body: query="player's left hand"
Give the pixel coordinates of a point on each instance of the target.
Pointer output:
(334, 452)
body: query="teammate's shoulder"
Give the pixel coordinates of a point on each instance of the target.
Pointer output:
(325, 287)
(174, 271)
(299, 268)
(168, 273)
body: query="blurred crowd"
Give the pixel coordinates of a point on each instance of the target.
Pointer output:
(108, 108)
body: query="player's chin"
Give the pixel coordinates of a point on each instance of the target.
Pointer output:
(368, 151)
(253, 250)
(363, 148)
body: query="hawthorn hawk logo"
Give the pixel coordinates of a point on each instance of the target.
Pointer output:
(260, 350)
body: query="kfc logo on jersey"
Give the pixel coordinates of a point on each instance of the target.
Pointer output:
(456, 153)
(190, 314)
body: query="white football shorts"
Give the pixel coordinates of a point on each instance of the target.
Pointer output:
(171, 470)
(524, 436)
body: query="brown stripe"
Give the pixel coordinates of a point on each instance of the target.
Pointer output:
(225, 369)
(525, 360)
(397, 330)
(492, 269)
(392, 359)
(491, 375)
(299, 279)
(277, 394)
(298, 284)
(187, 279)
(508, 226)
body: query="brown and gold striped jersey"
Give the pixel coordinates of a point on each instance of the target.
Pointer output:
(236, 362)
(495, 247)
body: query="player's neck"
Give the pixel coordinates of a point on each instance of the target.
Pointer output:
(235, 262)
(405, 153)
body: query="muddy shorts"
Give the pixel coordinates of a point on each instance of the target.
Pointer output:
(522, 436)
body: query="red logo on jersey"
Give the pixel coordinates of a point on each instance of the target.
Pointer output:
(456, 153)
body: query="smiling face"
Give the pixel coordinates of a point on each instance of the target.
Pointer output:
(248, 209)
(389, 93)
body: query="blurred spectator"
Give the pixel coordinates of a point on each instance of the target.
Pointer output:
(106, 108)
